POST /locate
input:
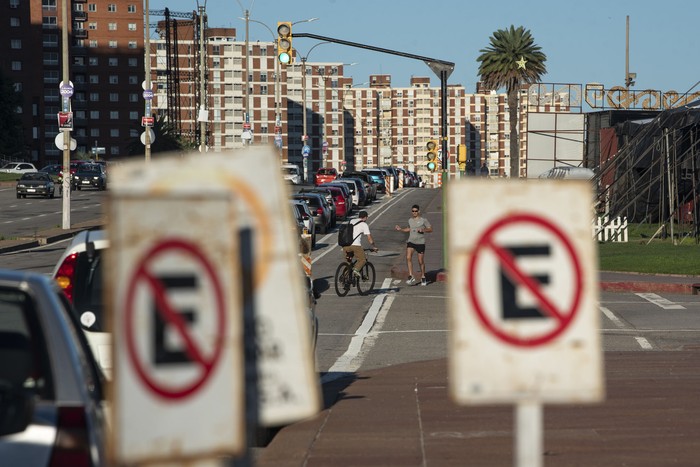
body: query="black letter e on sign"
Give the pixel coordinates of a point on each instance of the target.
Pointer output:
(511, 310)
(161, 354)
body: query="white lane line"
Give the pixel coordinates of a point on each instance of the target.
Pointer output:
(351, 360)
(643, 343)
(660, 301)
(611, 316)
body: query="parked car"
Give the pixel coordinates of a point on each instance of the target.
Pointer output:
(291, 173)
(339, 200)
(89, 176)
(346, 193)
(53, 407)
(359, 197)
(330, 199)
(370, 185)
(36, 184)
(79, 274)
(18, 168)
(301, 209)
(54, 170)
(319, 209)
(378, 177)
(325, 175)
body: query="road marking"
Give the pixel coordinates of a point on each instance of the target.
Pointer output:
(660, 301)
(611, 316)
(643, 343)
(352, 359)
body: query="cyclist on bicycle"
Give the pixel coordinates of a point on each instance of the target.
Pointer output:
(360, 228)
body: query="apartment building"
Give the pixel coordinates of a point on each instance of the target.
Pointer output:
(106, 68)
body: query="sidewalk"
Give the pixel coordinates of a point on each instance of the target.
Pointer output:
(402, 415)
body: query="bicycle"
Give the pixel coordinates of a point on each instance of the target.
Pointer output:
(345, 279)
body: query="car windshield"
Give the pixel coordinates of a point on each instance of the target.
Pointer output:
(33, 176)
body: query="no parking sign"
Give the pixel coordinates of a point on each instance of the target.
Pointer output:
(523, 292)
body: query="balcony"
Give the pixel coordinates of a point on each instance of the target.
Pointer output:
(79, 16)
(80, 33)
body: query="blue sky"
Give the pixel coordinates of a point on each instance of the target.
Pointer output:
(584, 41)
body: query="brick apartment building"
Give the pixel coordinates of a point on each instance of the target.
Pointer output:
(106, 68)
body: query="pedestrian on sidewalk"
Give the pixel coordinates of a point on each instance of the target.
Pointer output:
(418, 226)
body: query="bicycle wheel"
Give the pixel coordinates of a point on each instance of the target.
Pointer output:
(343, 279)
(366, 283)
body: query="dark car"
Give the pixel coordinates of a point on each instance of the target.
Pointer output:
(90, 176)
(370, 185)
(378, 177)
(52, 406)
(319, 209)
(36, 184)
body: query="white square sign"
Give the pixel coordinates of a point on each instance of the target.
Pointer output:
(523, 306)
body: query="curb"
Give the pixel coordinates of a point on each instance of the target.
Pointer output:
(10, 246)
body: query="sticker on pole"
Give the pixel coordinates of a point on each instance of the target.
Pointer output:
(523, 292)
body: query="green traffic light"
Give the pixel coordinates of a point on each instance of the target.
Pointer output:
(431, 166)
(284, 57)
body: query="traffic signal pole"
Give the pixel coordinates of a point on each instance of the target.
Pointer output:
(442, 69)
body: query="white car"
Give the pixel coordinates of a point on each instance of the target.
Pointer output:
(291, 173)
(79, 273)
(18, 168)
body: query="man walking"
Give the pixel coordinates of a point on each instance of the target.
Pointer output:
(359, 229)
(418, 226)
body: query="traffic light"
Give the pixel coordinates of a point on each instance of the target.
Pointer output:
(432, 148)
(284, 42)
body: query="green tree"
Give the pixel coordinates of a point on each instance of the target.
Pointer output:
(11, 130)
(511, 59)
(167, 140)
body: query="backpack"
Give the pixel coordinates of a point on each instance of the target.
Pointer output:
(345, 232)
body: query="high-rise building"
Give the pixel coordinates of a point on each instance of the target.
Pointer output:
(106, 68)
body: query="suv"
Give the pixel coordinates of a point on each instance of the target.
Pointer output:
(378, 177)
(89, 176)
(79, 273)
(53, 406)
(291, 173)
(319, 209)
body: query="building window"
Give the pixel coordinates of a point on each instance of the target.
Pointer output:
(133, 79)
(50, 58)
(112, 8)
(114, 150)
(133, 62)
(14, 3)
(113, 61)
(92, 26)
(79, 7)
(16, 44)
(113, 79)
(94, 115)
(134, 115)
(132, 26)
(133, 97)
(92, 7)
(132, 44)
(94, 97)
(49, 22)
(112, 26)
(113, 97)
(112, 44)
(14, 22)
(94, 79)
(114, 132)
(94, 132)
(131, 8)
(51, 76)
(92, 43)
(48, 4)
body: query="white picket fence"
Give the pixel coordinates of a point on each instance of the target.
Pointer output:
(611, 231)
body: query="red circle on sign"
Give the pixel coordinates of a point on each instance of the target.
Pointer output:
(143, 275)
(487, 242)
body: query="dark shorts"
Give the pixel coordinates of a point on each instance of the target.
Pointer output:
(420, 249)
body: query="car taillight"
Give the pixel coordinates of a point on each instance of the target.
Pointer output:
(72, 445)
(65, 275)
(319, 211)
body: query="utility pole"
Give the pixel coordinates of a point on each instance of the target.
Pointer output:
(147, 84)
(247, 76)
(66, 108)
(203, 117)
(629, 77)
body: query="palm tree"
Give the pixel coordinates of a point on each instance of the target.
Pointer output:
(511, 59)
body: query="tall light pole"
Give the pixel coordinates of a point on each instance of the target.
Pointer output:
(66, 108)
(147, 84)
(202, 117)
